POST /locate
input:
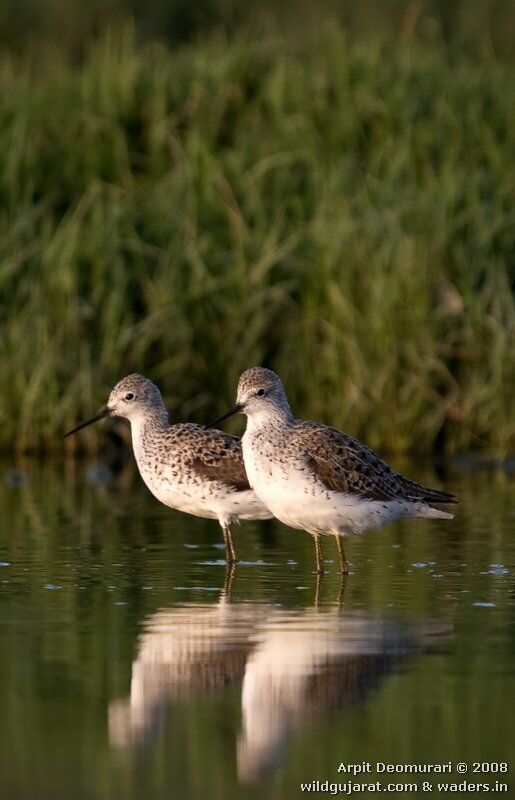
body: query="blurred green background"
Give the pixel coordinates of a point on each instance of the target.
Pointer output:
(187, 190)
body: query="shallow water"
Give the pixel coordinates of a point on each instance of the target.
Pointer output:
(134, 665)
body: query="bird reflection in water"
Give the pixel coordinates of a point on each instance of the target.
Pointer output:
(292, 664)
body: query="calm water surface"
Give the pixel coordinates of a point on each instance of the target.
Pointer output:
(134, 665)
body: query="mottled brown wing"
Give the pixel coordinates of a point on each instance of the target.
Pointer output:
(343, 464)
(219, 458)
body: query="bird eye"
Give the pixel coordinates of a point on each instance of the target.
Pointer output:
(129, 396)
(260, 393)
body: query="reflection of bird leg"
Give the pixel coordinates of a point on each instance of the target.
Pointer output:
(343, 561)
(318, 586)
(230, 549)
(230, 572)
(341, 592)
(318, 554)
(227, 550)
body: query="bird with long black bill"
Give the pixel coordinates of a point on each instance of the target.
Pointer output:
(316, 478)
(185, 466)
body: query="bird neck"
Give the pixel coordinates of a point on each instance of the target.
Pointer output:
(277, 416)
(150, 423)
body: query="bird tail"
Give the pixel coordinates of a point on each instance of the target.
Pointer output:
(431, 497)
(436, 513)
(418, 492)
(436, 496)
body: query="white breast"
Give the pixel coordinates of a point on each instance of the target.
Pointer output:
(276, 481)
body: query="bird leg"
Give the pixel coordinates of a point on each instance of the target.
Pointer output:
(343, 561)
(318, 554)
(230, 549)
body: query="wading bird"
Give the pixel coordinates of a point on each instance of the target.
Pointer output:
(185, 466)
(317, 478)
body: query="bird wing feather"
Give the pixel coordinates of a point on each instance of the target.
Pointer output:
(342, 464)
(218, 457)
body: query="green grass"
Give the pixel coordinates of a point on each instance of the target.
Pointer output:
(339, 210)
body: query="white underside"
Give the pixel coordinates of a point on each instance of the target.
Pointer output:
(228, 508)
(334, 512)
(307, 506)
(204, 499)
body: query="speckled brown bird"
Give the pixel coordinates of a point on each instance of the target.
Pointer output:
(185, 466)
(317, 478)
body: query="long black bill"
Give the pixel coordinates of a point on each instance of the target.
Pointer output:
(232, 411)
(104, 412)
